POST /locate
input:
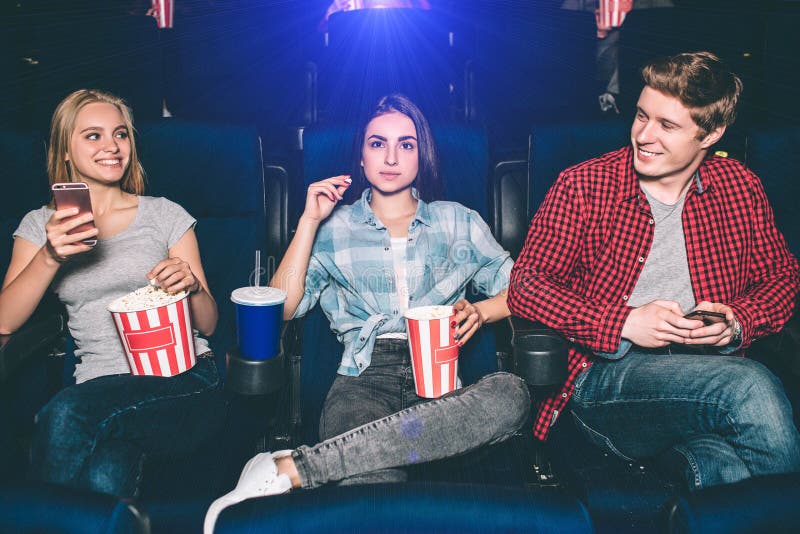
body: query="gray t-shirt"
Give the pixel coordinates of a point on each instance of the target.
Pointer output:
(665, 274)
(114, 267)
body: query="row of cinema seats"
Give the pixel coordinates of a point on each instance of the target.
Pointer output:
(241, 204)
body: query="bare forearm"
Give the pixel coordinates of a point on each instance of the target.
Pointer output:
(204, 311)
(291, 273)
(19, 297)
(495, 308)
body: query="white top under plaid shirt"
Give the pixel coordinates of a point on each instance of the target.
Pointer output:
(351, 271)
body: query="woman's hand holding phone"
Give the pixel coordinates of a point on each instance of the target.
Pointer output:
(61, 244)
(715, 324)
(174, 275)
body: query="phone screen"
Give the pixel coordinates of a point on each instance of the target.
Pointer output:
(708, 317)
(75, 195)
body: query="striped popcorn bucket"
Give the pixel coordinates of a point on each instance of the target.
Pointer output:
(434, 353)
(611, 13)
(163, 10)
(157, 341)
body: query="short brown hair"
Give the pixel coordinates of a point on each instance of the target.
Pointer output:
(63, 124)
(702, 82)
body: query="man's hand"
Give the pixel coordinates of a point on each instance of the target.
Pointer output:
(718, 334)
(657, 324)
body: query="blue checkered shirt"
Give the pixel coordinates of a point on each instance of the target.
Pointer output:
(351, 271)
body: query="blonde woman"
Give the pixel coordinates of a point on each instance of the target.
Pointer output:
(96, 433)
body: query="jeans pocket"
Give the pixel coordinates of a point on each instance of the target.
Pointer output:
(600, 440)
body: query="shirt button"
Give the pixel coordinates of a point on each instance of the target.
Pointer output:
(394, 312)
(572, 340)
(362, 339)
(564, 395)
(386, 248)
(583, 364)
(624, 297)
(360, 365)
(652, 221)
(641, 259)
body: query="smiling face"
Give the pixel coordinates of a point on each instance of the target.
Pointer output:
(390, 155)
(668, 145)
(99, 147)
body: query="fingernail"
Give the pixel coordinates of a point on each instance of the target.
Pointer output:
(348, 180)
(459, 343)
(453, 324)
(153, 282)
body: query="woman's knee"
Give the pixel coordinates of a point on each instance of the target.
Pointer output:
(511, 398)
(63, 417)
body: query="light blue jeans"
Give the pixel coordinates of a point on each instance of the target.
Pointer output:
(727, 416)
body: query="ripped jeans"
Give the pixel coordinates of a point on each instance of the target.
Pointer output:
(375, 423)
(724, 418)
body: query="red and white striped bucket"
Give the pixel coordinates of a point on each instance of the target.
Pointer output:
(158, 341)
(163, 10)
(434, 353)
(611, 13)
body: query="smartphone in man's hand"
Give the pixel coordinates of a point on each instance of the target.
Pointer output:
(75, 195)
(708, 317)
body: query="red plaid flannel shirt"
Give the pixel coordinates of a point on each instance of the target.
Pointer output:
(587, 244)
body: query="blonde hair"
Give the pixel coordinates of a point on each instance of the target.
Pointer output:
(63, 125)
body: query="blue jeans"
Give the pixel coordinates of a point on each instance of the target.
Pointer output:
(96, 435)
(727, 417)
(374, 423)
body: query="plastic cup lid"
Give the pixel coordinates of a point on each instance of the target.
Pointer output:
(258, 296)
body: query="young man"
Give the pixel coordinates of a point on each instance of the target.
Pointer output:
(624, 246)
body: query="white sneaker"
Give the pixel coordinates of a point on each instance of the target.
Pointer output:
(259, 478)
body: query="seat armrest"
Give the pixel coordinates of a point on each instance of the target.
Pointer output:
(38, 333)
(539, 353)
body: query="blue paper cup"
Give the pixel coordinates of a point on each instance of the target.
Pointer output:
(259, 316)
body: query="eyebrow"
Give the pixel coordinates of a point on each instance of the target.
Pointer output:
(89, 128)
(382, 138)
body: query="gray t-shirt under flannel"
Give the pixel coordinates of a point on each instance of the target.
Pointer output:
(114, 267)
(665, 275)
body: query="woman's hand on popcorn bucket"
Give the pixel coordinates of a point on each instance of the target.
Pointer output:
(60, 245)
(173, 275)
(467, 319)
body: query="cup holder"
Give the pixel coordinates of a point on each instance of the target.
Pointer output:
(540, 358)
(254, 377)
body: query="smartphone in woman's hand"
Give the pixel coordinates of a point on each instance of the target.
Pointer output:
(75, 195)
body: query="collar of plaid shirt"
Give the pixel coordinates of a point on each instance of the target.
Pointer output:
(351, 271)
(590, 238)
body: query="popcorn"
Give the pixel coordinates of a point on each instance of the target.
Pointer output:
(428, 313)
(145, 298)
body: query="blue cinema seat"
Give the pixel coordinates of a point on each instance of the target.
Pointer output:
(408, 508)
(35, 509)
(761, 504)
(26, 377)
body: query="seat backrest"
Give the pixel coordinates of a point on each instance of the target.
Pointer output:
(555, 147)
(532, 64)
(215, 172)
(24, 184)
(772, 155)
(465, 168)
